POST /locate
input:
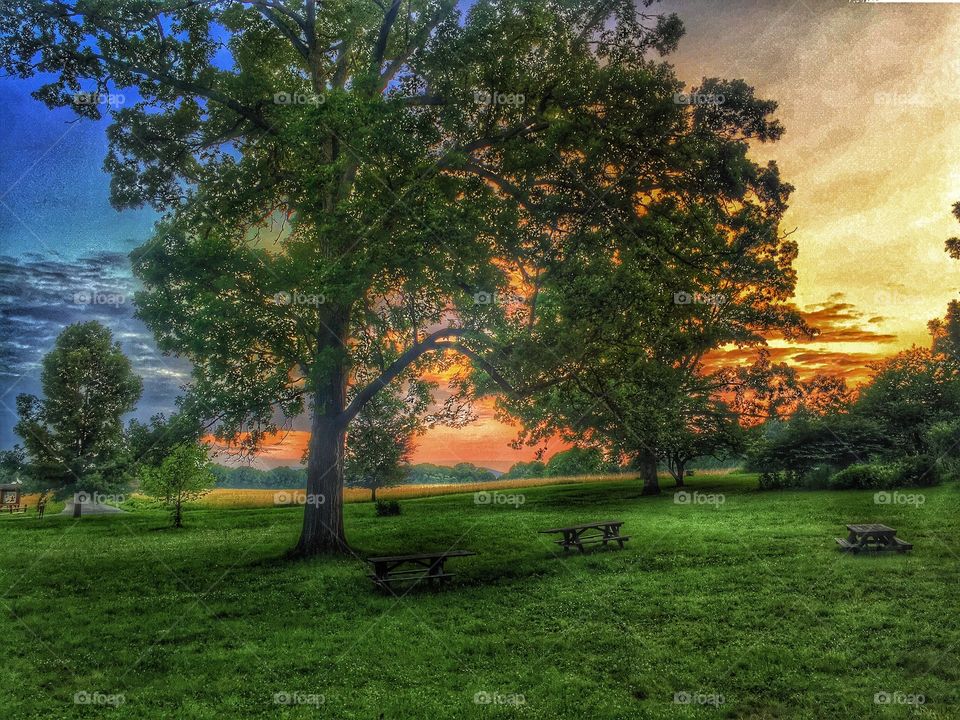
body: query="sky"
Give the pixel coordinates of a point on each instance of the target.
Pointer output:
(869, 94)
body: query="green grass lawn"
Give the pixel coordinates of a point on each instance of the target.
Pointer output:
(748, 601)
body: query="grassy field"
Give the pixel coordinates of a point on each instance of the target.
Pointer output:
(263, 498)
(225, 497)
(743, 607)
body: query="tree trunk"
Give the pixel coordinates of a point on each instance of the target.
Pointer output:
(677, 469)
(647, 462)
(178, 515)
(373, 494)
(77, 506)
(323, 511)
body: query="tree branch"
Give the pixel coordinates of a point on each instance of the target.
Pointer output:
(418, 42)
(380, 47)
(267, 10)
(430, 342)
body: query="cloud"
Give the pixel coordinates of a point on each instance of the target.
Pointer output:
(841, 326)
(841, 322)
(40, 296)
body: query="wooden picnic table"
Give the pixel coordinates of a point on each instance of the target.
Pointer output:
(873, 537)
(419, 566)
(580, 535)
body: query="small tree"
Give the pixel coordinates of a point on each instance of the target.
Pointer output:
(705, 431)
(184, 475)
(380, 439)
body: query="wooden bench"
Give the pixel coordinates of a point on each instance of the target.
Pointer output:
(12, 509)
(405, 568)
(579, 535)
(873, 538)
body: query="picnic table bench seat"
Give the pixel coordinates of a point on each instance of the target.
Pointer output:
(13, 508)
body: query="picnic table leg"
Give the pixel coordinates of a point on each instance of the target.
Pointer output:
(577, 535)
(616, 532)
(856, 542)
(434, 571)
(379, 572)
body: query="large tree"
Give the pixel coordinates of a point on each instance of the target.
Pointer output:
(73, 435)
(700, 263)
(328, 171)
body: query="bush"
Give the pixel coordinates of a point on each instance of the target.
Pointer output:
(917, 470)
(911, 471)
(863, 476)
(387, 507)
(816, 478)
(775, 480)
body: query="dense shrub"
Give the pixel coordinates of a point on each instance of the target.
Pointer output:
(917, 470)
(387, 507)
(863, 476)
(776, 480)
(912, 471)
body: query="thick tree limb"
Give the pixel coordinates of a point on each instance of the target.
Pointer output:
(498, 377)
(300, 45)
(418, 42)
(430, 342)
(380, 46)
